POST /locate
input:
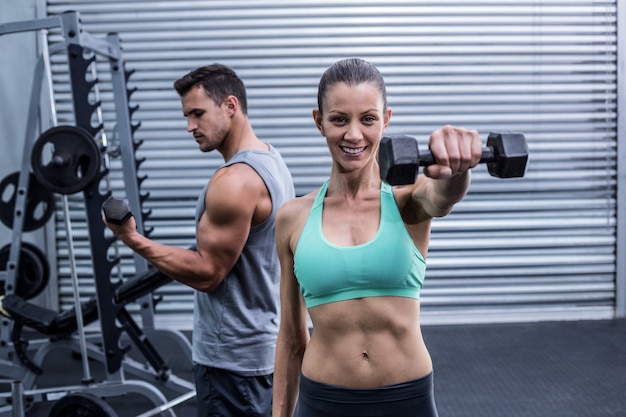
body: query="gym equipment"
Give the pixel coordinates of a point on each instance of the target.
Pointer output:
(506, 155)
(33, 271)
(116, 210)
(68, 159)
(48, 322)
(65, 159)
(62, 325)
(39, 202)
(82, 404)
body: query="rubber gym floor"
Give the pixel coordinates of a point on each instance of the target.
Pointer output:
(551, 369)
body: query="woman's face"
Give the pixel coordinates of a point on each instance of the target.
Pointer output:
(353, 121)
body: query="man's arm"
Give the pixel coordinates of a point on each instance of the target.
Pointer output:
(233, 195)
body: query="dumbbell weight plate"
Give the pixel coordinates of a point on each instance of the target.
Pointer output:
(510, 154)
(65, 159)
(39, 202)
(116, 210)
(398, 157)
(33, 271)
(82, 404)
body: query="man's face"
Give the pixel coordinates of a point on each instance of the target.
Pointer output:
(208, 122)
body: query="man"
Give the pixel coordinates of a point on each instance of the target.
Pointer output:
(234, 270)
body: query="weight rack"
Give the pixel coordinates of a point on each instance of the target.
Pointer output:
(81, 49)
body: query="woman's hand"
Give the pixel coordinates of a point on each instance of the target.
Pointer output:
(455, 150)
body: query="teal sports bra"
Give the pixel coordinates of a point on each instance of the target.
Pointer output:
(387, 265)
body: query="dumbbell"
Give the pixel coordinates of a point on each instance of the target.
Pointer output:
(506, 156)
(116, 210)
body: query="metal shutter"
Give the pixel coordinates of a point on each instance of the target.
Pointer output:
(537, 248)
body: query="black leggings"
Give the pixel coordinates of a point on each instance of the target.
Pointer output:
(409, 399)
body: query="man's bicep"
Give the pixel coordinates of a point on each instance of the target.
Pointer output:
(224, 227)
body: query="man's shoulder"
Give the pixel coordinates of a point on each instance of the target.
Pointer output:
(235, 178)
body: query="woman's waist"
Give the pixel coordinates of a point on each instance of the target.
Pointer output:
(337, 394)
(366, 360)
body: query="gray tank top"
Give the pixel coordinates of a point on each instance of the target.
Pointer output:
(235, 327)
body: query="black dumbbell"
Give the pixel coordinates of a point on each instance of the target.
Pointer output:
(116, 210)
(506, 155)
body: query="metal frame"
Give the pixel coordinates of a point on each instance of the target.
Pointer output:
(620, 285)
(114, 319)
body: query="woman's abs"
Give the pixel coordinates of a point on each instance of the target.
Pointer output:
(369, 343)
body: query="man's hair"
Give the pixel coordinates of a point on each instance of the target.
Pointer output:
(218, 82)
(352, 71)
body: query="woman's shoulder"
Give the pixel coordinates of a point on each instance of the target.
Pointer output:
(300, 203)
(296, 208)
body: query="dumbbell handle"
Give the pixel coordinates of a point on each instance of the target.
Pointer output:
(116, 210)
(425, 158)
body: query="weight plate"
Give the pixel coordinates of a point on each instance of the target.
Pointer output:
(39, 202)
(65, 159)
(33, 270)
(82, 404)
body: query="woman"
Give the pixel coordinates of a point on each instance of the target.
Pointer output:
(354, 254)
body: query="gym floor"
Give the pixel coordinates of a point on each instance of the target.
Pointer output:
(555, 369)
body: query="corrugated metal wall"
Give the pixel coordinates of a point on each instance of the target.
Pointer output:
(537, 248)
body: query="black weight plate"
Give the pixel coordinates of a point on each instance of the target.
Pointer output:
(82, 404)
(33, 270)
(39, 202)
(65, 159)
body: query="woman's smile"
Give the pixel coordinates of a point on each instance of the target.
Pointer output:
(352, 151)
